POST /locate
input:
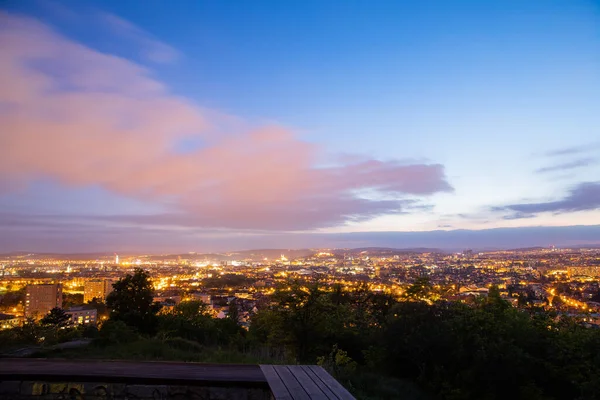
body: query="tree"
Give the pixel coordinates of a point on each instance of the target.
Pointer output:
(557, 302)
(100, 307)
(306, 322)
(563, 288)
(70, 300)
(191, 309)
(192, 320)
(234, 312)
(131, 301)
(12, 299)
(116, 332)
(420, 290)
(494, 301)
(57, 317)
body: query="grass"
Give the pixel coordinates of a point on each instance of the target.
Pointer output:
(152, 349)
(366, 385)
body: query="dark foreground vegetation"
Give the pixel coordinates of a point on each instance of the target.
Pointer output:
(377, 346)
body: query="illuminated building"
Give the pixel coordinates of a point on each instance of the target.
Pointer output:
(8, 321)
(96, 288)
(40, 299)
(83, 315)
(203, 297)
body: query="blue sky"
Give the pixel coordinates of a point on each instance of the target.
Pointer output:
(503, 96)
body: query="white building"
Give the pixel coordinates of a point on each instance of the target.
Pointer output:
(82, 315)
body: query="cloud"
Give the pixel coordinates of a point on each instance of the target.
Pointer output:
(150, 48)
(573, 150)
(583, 197)
(518, 215)
(84, 118)
(582, 162)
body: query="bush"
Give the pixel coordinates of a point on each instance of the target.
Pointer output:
(90, 331)
(116, 332)
(184, 345)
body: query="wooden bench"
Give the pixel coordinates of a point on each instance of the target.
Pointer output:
(284, 382)
(303, 382)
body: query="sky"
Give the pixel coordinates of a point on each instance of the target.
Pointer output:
(209, 126)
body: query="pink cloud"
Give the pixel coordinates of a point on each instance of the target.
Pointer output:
(83, 118)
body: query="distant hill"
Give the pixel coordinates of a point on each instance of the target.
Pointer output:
(58, 256)
(537, 248)
(391, 250)
(577, 247)
(271, 254)
(261, 254)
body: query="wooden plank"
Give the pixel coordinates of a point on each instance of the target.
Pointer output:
(330, 395)
(331, 383)
(278, 389)
(131, 371)
(314, 392)
(291, 383)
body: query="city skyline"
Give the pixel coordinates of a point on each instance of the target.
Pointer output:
(222, 127)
